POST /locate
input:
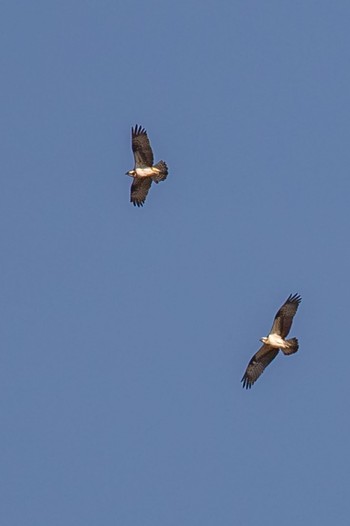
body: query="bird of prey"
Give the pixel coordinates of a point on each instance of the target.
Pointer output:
(144, 172)
(274, 342)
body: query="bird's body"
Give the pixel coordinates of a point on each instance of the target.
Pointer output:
(144, 173)
(274, 342)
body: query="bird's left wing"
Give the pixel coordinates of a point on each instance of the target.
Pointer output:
(141, 147)
(257, 364)
(139, 190)
(284, 317)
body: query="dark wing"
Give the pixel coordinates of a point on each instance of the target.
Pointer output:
(141, 147)
(257, 364)
(139, 190)
(284, 317)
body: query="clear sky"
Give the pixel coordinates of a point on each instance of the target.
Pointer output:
(125, 332)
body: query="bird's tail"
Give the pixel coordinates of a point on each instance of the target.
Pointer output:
(292, 346)
(162, 172)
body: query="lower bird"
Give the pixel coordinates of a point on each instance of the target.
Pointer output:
(144, 173)
(274, 342)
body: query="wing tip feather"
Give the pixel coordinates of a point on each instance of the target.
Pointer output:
(247, 383)
(138, 130)
(294, 298)
(137, 203)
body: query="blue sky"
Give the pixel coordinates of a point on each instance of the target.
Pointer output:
(125, 332)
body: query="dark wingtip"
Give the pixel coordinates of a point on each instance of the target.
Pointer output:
(138, 130)
(246, 383)
(294, 298)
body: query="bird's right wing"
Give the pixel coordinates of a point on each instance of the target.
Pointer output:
(139, 190)
(141, 147)
(257, 364)
(284, 317)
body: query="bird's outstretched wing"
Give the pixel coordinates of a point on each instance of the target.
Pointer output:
(141, 147)
(257, 364)
(139, 190)
(284, 317)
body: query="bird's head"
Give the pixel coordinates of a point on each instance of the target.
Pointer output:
(263, 339)
(131, 173)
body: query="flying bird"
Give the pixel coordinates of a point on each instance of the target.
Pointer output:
(274, 342)
(144, 172)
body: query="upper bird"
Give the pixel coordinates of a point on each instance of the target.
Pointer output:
(274, 342)
(144, 172)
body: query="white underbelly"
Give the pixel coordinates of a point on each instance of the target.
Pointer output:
(144, 172)
(276, 341)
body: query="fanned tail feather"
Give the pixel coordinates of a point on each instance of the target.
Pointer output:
(293, 346)
(163, 172)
